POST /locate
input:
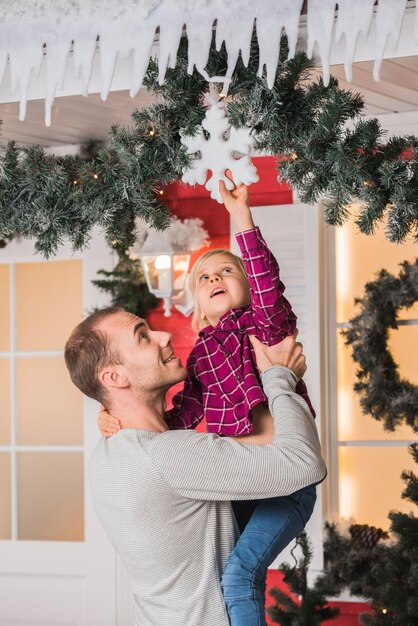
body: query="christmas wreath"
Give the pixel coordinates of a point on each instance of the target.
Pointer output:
(52, 199)
(384, 394)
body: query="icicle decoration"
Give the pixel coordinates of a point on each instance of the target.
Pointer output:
(37, 35)
(354, 18)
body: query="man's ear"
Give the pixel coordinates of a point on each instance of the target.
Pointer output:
(110, 377)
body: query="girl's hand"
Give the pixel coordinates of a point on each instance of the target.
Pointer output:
(108, 425)
(237, 203)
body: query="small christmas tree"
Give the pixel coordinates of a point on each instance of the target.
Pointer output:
(312, 608)
(127, 285)
(384, 573)
(395, 598)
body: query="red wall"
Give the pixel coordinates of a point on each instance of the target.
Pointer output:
(349, 611)
(186, 201)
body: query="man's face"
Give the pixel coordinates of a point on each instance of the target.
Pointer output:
(149, 362)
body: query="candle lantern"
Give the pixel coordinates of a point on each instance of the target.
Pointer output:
(165, 258)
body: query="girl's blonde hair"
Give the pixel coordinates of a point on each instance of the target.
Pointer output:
(197, 322)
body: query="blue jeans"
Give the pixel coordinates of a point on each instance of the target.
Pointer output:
(272, 524)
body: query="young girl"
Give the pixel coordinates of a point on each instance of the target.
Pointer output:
(235, 298)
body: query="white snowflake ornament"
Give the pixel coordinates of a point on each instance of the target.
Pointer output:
(217, 154)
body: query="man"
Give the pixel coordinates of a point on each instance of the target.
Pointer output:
(164, 496)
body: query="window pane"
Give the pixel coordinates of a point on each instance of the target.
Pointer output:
(4, 308)
(5, 497)
(402, 342)
(50, 496)
(4, 402)
(49, 407)
(48, 303)
(370, 484)
(353, 425)
(359, 257)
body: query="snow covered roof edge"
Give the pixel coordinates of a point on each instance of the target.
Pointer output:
(123, 26)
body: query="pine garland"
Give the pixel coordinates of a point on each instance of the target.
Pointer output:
(52, 199)
(383, 394)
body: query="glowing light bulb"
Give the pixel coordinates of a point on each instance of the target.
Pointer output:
(96, 176)
(151, 132)
(162, 262)
(163, 265)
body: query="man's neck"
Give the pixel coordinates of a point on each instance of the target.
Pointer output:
(146, 413)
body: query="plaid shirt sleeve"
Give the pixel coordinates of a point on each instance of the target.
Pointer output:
(187, 411)
(272, 313)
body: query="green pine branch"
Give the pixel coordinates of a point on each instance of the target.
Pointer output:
(127, 286)
(313, 608)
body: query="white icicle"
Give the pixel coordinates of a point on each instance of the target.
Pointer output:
(235, 28)
(320, 25)
(354, 17)
(25, 57)
(416, 24)
(272, 17)
(171, 21)
(83, 53)
(56, 61)
(142, 49)
(113, 45)
(389, 18)
(199, 36)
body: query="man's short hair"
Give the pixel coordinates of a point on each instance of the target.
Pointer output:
(88, 350)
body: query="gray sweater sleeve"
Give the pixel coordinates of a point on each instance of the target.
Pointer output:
(208, 467)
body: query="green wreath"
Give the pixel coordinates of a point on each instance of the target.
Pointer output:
(384, 394)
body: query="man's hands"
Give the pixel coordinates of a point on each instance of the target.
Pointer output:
(288, 352)
(237, 204)
(108, 425)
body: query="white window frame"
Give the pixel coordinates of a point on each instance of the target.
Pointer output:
(331, 442)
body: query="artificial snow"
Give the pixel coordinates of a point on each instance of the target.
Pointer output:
(37, 33)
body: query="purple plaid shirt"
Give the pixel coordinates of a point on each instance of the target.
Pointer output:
(223, 384)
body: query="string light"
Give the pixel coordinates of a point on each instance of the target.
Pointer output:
(96, 176)
(161, 192)
(75, 182)
(294, 156)
(151, 132)
(384, 611)
(368, 183)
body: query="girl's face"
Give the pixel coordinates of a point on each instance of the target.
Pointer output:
(220, 286)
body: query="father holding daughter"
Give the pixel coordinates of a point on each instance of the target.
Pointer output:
(191, 476)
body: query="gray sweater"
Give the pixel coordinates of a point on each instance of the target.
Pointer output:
(163, 499)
